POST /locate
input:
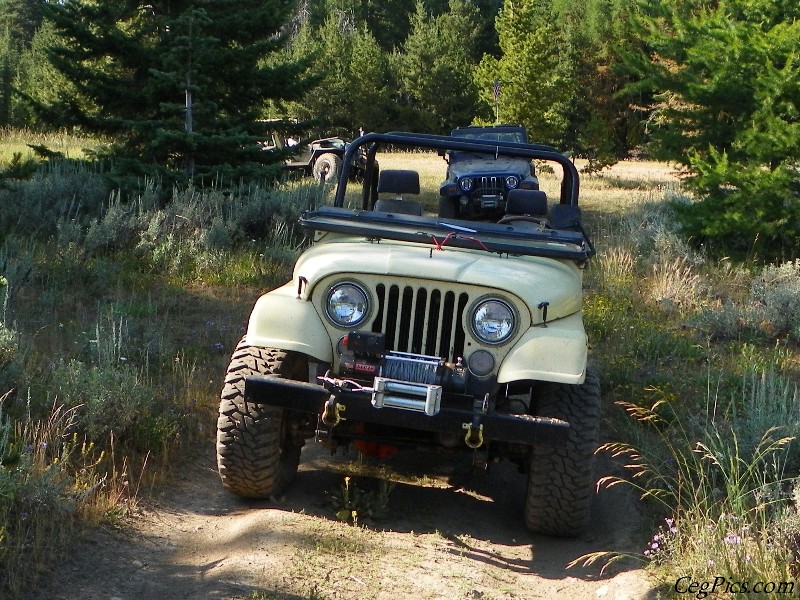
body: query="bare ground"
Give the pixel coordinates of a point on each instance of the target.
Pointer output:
(451, 533)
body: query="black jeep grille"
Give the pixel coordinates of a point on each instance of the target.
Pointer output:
(421, 320)
(490, 185)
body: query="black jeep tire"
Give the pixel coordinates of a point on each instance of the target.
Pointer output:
(326, 168)
(560, 479)
(256, 455)
(448, 207)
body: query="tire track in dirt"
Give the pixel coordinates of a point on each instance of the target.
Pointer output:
(450, 534)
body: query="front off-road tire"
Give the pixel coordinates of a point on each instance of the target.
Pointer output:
(560, 479)
(326, 168)
(448, 207)
(257, 455)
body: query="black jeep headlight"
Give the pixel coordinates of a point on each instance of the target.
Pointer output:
(493, 321)
(346, 304)
(512, 181)
(466, 184)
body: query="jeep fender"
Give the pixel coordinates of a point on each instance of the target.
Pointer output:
(282, 320)
(555, 352)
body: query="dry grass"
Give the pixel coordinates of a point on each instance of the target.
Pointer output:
(14, 141)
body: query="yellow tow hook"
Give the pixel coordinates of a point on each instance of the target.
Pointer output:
(332, 413)
(473, 439)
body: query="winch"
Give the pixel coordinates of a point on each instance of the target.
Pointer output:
(399, 379)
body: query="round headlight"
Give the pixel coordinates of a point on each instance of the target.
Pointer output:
(493, 321)
(347, 304)
(512, 181)
(466, 184)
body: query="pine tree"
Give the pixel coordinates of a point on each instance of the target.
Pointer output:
(435, 68)
(177, 86)
(19, 20)
(354, 89)
(37, 80)
(727, 76)
(536, 79)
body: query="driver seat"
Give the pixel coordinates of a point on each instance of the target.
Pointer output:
(527, 203)
(398, 182)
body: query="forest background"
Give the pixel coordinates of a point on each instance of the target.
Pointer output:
(181, 87)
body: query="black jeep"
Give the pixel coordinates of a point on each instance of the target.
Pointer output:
(477, 184)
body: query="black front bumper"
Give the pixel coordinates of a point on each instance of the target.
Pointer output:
(357, 407)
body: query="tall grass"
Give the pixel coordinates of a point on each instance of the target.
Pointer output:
(38, 500)
(728, 505)
(15, 140)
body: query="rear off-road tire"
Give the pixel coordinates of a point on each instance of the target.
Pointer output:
(326, 168)
(560, 479)
(257, 456)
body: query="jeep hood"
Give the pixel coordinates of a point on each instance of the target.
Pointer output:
(533, 280)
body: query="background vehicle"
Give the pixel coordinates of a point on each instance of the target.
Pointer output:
(477, 184)
(404, 329)
(321, 159)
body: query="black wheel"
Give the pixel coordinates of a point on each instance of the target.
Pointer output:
(560, 479)
(326, 168)
(257, 457)
(448, 207)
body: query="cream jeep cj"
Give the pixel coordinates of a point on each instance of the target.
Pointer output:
(403, 328)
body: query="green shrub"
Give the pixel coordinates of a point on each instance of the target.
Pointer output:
(745, 210)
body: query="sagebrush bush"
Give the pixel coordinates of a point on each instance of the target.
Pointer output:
(768, 402)
(649, 228)
(775, 298)
(60, 191)
(106, 399)
(768, 309)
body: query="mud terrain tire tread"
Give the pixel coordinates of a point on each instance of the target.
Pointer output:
(255, 456)
(560, 479)
(326, 168)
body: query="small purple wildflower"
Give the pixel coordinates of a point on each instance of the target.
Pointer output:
(671, 524)
(732, 539)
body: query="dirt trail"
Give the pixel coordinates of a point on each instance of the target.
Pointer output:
(451, 534)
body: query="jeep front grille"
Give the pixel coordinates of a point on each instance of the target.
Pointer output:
(490, 185)
(421, 320)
